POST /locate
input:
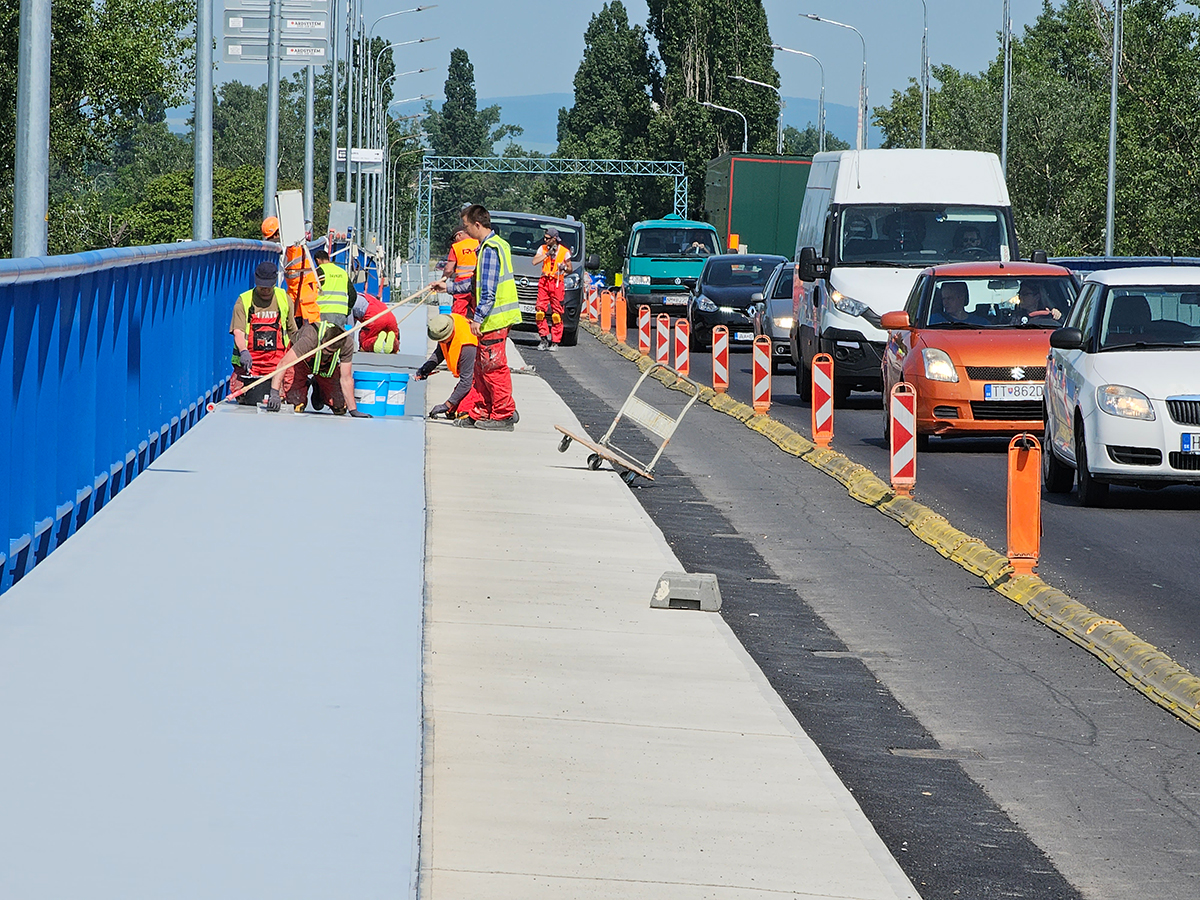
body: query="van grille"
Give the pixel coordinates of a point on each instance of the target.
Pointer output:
(1005, 373)
(1005, 411)
(1185, 412)
(1135, 456)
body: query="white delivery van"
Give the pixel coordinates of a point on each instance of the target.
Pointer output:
(870, 221)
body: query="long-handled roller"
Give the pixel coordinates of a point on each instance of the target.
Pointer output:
(333, 340)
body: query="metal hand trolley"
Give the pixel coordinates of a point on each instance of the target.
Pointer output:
(641, 412)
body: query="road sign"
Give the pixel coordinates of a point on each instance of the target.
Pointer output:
(287, 7)
(720, 358)
(683, 364)
(822, 399)
(257, 23)
(293, 51)
(662, 339)
(761, 382)
(644, 330)
(902, 434)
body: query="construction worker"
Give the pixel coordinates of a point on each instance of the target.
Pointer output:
(263, 327)
(556, 266)
(331, 367)
(496, 310)
(458, 346)
(382, 335)
(298, 271)
(460, 266)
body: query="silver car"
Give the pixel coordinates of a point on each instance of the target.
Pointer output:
(771, 313)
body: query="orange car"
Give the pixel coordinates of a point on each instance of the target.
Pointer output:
(973, 340)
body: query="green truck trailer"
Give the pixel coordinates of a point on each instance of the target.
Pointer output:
(758, 198)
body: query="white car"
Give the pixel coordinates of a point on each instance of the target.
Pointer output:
(1122, 390)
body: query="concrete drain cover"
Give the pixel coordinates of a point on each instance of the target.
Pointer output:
(681, 590)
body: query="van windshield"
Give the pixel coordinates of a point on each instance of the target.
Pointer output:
(525, 235)
(674, 242)
(921, 236)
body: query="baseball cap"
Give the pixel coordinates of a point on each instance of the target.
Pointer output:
(266, 274)
(440, 327)
(552, 231)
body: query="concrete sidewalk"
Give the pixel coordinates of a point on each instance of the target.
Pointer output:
(579, 743)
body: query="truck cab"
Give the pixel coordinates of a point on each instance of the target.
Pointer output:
(663, 262)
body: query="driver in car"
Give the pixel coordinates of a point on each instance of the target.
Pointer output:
(1031, 303)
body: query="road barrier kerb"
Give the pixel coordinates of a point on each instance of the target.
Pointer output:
(1139, 663)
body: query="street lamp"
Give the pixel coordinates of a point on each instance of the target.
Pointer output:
(820, 102)
(861, 142)
(779, 125)
(924, 72)
(1110, 203)
(745, 126)
(1006, 91)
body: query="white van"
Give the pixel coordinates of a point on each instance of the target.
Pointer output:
(871, 220)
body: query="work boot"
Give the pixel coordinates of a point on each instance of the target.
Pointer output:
(495, 424)
(464, 422)
(552, 347)
(543, 344)
(318, 400)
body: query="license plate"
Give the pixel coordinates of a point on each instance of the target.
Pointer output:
(528, 309)
(1191, 444)
(1013, 391)
(743, 335)
(669, 300)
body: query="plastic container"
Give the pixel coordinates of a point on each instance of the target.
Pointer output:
(445, 310)
(371, 392)
(397, 389)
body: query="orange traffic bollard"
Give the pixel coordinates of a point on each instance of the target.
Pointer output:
(902, 438)
(644, 330)
(606, 305)
(1024, 503)
(662, 339)
(761, 384)
(822, 399)
(622, 320)
(683, 363)
(720, 358)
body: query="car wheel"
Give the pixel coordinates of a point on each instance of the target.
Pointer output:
(1091, 491)
(1057, 476)
(570, 338)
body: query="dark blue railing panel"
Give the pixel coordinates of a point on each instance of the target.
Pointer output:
(106, 358)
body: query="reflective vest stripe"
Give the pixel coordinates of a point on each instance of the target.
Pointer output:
(506, 310)
(335, 291)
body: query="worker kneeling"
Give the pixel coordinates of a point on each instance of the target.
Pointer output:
(263, 328)
(331, 367)
(459, 348)
(380, 332)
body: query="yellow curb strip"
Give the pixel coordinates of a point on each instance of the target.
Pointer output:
(1139, 663)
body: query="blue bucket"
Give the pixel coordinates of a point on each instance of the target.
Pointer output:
(397, 389)
(445, 310)
(371, 392)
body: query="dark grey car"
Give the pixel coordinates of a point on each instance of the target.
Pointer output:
(772, 314)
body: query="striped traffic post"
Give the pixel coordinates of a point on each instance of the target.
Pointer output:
(622, 321)
(682, 337)
(720, 358)
(644, 330)
(662, 340)
(902, 433)
(822, 399)
(591, 305)
(761, 385)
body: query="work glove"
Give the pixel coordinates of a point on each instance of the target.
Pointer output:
(273, 403)
(426, 370)
(357, 413)
(247, 360)
(442, 409)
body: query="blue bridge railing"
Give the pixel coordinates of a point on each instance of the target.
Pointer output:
(106, 358)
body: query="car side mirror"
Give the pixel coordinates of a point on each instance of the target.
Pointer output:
(810, 266)
(895, 321)
(593, 262)
(756, 296)
(1066, 339)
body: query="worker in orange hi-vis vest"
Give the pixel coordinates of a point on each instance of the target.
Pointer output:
(299, 273)
(460, 266)
(556, 266)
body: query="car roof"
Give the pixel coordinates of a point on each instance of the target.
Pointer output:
(671, 221)
(1147, 275)
(744, 257)
(1015, 269)
(573, 224)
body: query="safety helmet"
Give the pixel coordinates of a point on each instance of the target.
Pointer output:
(270, 227)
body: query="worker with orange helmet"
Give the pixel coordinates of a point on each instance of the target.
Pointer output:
(299, 272)
(555, 259)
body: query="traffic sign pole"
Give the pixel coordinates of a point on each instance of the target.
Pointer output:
(271, 173)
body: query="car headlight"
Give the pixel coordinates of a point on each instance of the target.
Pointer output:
(638, 280)
(705, 305)
(938, 365)
(845, 304)
(571, 281)
(1124, 402)
(785, 322)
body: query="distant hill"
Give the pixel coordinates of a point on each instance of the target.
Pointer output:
(538, 115)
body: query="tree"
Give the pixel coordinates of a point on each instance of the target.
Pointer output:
(808, 141)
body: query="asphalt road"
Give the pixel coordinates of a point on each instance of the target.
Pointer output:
(1132, 561)
(995, 758)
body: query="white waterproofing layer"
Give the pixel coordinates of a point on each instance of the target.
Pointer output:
(213, 689)
(581, 744)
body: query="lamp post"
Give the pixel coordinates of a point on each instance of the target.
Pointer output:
(779, 124)
(1110, 203)
(745, 126)
(1006, 42)
(861, 142)
(202, 149)
(924, 71)
(820, 102)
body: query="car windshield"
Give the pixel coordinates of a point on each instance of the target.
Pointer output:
(1138, 318)
(525, 235)
(736, 273)
(674, 242)
(921, 235)
(1017, 302)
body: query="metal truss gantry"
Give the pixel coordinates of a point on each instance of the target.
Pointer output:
(432, 166)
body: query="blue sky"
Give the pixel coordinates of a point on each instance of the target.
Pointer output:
(524, 48)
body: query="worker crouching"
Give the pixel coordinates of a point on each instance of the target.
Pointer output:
(458, 346)
(377, 335)
(263, 328)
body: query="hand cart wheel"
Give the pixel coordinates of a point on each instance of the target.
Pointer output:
(629, 477)
(594, 461)
(564, 444)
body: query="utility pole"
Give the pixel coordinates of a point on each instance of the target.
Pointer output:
(31, 194)
(309, 142)
(271, 173)
(350, 55)
(333, 101)
(202, 156)
(1006, 39)
(1110, 203)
